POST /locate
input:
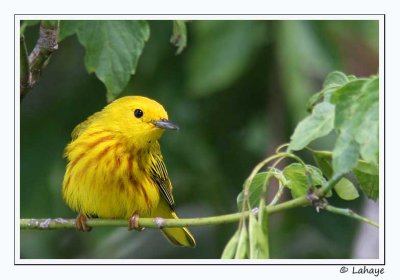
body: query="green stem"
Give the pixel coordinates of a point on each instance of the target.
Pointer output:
(327, 154)
(349, 213)
(269, 175)
(329, 185)
(61, 223)
(278, 150)
(278, 194)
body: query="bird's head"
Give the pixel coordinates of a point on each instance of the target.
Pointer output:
(139, 119)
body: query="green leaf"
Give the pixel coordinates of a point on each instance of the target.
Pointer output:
(356, 120)
(346, 190)
(316, 175)
(367, 168)
(314, 100)
(230, 248)
(317, 125)
(367, 134)
(179, 35)
(366, 173)
(258, 248)
(345, 153)
(335, 79)
(324, 162)
(351, 77)
(212, 65)
(324, 96)
(263, 220)
(328, 93)
(113, 48)
(297, 180)
(242, 251)
(27, 23)
(368, 183)
(255, 191)
(347, 100)
(254, 227)
(69, 27)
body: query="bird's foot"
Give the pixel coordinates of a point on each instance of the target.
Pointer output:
(80, 223)
(133, 223)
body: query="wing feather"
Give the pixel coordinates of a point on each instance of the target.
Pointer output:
(160, 176)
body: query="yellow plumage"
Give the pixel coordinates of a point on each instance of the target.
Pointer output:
(115, 167)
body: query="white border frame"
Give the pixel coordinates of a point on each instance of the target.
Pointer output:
(379, 261)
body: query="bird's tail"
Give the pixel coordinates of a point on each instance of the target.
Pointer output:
(177, 236)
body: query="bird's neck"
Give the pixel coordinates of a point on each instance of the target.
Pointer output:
(140, 145)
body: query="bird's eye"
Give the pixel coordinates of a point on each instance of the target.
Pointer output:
(138, 113)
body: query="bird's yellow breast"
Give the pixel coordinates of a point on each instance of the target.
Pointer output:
(107, 179)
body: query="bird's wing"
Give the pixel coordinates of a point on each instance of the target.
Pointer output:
(159, 175)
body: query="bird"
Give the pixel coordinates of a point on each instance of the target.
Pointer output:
(116, 170)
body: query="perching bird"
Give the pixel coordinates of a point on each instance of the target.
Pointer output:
(116, 170)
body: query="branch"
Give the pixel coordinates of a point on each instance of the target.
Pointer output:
(60, 223)
(349, 213)
(38, 58)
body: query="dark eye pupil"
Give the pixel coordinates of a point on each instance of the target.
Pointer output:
(138, 113)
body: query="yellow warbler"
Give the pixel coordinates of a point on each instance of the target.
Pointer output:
(116, 170)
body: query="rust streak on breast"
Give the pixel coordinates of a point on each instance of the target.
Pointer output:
(98, 141)
(103, 153)
(121, 185)
(137, 185)
(67, 182)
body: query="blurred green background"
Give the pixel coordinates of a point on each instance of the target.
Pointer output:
(237, 92)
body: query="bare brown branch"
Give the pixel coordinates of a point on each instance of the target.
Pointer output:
(38, 58)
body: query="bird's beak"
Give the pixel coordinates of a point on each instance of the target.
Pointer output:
(166, 124)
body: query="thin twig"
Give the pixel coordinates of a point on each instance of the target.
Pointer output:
(321, 192)
(60, 223)
(349, 213)
(277, 195)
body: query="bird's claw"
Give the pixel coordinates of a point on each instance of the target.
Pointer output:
(81, 223)
(133, 223)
